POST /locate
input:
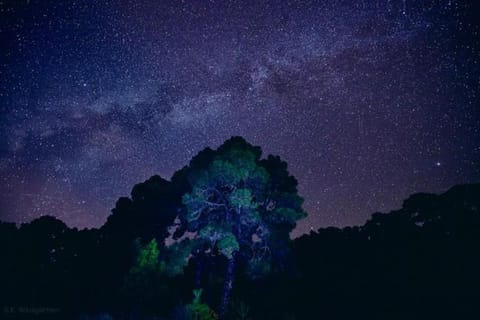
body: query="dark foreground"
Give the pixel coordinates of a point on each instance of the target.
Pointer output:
(420, 262)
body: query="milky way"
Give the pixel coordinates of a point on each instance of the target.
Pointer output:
(367, 101)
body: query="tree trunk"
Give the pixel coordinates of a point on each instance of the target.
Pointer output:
(199, 271)
(228, 285)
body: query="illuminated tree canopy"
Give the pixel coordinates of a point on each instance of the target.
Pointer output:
(241, 207)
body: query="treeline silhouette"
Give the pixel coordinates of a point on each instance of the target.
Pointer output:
(149, 262)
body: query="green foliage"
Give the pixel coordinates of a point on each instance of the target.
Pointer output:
(222, 205)
(144, 280)
(235, 197)
(176, 258)
(147, 259)
(243, 198)
(228, 245)
(197, 295)
(213, 233)
(171, 263)
(219, 237)
(199, 310)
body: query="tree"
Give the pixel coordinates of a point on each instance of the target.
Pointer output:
(148, 214)
(236, 209)
(149, 281)
(144, 278)
(280, 211)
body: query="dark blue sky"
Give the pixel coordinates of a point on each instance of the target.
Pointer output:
(368, 101)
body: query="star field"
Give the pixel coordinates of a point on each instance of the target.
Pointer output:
(367, 101)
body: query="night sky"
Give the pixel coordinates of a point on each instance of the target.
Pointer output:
(367, 101)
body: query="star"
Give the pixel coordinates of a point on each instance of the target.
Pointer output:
(361, 100)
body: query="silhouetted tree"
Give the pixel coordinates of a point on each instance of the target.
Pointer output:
(148, 214)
